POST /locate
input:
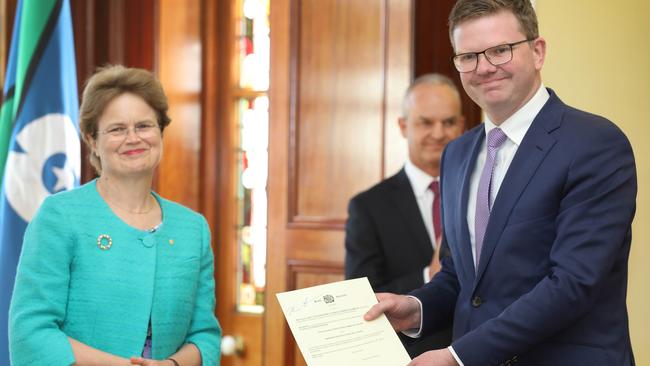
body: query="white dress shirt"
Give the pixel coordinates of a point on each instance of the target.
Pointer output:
(420, 182)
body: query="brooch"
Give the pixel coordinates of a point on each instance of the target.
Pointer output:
(104, 242)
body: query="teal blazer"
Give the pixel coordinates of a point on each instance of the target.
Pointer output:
(84, 273)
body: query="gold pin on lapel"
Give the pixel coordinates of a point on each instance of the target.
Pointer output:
(171, 241)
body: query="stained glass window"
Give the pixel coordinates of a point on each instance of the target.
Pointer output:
(253, 117)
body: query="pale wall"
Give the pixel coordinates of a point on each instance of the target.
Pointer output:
(598, 59)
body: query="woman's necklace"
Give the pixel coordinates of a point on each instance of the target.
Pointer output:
(124, 209)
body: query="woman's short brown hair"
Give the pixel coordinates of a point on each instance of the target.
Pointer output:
(110, 82)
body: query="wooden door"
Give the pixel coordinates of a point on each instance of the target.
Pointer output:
(339, 69)
(218, 180)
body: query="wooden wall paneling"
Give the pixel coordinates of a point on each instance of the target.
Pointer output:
(117, 36)
(111, 32)
(83, 28)
(140, 24)
(335, 65)
(337, 106)
(179, 69)
(399, 70)
(433, 51)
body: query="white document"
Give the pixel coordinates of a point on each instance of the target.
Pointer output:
(327, 323)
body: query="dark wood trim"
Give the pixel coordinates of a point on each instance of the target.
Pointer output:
(294, 109)
(138, 18)
(315, 222)
(385, 27)
(209, 116)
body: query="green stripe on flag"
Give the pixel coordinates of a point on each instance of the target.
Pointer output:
(34, 17)
(6, 126)
(35, 14)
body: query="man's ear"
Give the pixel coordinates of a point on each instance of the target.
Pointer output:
(402, 126)
(539, 52)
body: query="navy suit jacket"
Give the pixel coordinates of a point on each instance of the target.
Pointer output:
(386, 239)
(551, 284)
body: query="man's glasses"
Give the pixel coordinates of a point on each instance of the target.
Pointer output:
(497, 55)
(143, 130)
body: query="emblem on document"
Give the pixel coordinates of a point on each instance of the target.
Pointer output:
(328, 299)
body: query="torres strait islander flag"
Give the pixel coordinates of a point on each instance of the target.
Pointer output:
(39, 133)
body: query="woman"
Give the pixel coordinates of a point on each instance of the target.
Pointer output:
(111, 273)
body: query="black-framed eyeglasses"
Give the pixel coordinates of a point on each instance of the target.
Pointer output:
(497, 55)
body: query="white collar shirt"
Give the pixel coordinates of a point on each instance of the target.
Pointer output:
(420, 182)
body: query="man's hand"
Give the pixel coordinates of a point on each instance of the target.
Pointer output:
(439, 357)
(403, 312)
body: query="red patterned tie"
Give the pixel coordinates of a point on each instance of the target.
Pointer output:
(435, 188)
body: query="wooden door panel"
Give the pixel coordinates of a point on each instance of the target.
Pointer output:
(337, 100)
(339, 69)
(306, 273)
(315, 244)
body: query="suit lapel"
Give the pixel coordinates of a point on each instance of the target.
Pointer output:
(404, 199)
(533, 149)
(466, 170)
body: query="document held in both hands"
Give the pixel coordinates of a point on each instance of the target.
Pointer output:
(327, 323)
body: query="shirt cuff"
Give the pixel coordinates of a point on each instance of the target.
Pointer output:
(415, 332)
(453, 353)
(425, 273)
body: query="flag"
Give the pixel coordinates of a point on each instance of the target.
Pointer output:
(39, 133)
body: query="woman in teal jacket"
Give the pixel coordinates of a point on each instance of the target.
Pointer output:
(111, 273)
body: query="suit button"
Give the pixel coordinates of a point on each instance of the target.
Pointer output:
(477, 301)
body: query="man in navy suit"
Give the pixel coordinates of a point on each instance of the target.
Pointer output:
(391, 231)
(537, 206)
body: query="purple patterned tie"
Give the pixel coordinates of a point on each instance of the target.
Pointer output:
(495, 139)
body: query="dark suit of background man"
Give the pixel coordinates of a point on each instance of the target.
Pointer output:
(390, 233)
(537, 219)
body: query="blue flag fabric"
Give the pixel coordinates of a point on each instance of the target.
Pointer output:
(43, 155)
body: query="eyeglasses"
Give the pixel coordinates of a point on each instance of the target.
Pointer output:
(497, 55)
(142, 129)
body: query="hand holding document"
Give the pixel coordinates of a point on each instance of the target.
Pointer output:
(327, 323)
